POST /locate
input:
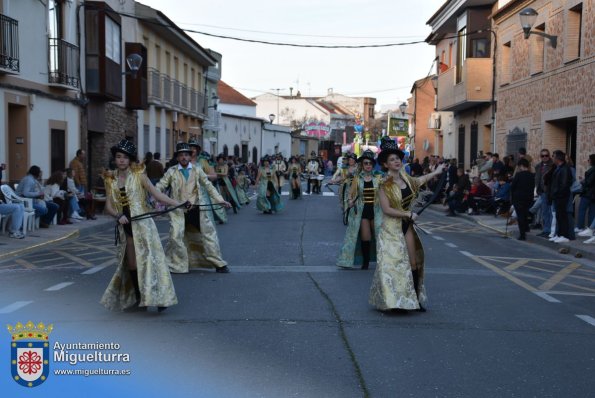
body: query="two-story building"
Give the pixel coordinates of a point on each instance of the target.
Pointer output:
(462, 35)
(546, 78)
(40, 86)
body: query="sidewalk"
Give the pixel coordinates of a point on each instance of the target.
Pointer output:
(55, 233)
(498, 225)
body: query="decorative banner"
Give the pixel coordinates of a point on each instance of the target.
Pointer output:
(320, 130)
(398, 127)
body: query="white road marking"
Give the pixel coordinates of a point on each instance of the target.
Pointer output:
(99, 267)
(547, 297)
(14, 306)
(437, 237)
(328, 194)
(450, 244)
(464, 253)
(589, 319)
(59, 286)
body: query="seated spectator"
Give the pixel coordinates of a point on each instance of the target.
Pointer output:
(30, 187)
(58, 196)
(75, 197)
(501, 199)
(459, 191)
(16, 213)
(479, 197)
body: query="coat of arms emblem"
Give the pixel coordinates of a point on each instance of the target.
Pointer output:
(29, 353)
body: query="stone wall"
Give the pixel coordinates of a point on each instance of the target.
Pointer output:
(543, 103)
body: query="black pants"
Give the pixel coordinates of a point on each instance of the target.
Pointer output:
(522, 212)
(561, 217)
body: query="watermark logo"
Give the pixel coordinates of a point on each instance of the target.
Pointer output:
(30, 353)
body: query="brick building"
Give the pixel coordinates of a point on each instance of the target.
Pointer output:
(545, 93)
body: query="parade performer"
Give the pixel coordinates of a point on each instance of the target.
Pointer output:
(268, 200)
(193, 239)
(398, 281)
(295, 170)
(224, 184)
(242, 186)
(280, 169)
(365, 218)
(216, 213)
(142, 277)
(313, 170)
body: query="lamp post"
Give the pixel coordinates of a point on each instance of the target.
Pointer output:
(134, 62)
(528, 17)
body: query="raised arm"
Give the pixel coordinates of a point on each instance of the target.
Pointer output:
(425, 178)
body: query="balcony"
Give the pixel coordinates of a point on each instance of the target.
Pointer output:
(63, 64)
(475, 86)
(9, 45)
(173, 95)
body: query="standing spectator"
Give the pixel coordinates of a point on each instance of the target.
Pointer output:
(452, 175)
(485, 167)
(148, 158)
(416, 169)
(523, 155)
(498, 167)
(30, 187)
(155, 168)
(521, 190)
(80, 174)
(559, 194)
(2, 168)
(541, 169)
(509, 166)
(587, 202)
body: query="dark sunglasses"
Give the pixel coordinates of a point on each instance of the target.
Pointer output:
(545, 156)
(367, 163)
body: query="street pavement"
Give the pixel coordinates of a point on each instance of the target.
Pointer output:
(505, 318)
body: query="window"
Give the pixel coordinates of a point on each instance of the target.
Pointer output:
(157, 139)
(112, 40)
(505, 72)
(461, 53)
(55, 19)
(572, 49)
(480, 48)
(146, 137)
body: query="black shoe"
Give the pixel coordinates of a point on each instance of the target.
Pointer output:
(222, 270)
(521, 237)
(161, 309)
(451, 214)
(421, 309)
(365, 266)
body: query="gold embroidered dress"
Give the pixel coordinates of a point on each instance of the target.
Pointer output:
(188, 247)
(155, 283)
(350, 255)
(392, 284)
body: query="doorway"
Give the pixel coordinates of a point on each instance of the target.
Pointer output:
(57, 150)
(18, 142)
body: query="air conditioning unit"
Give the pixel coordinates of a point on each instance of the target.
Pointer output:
(434, 121)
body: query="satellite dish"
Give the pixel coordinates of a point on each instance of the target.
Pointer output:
(426, 144)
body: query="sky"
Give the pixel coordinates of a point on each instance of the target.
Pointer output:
(386, 73)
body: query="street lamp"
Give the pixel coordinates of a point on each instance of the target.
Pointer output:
(215, 101)
(272, 118)
(134, 61)
(528, 17)
(403, 108)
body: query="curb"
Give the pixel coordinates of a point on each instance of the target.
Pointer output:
(24, 250)
(564, 250)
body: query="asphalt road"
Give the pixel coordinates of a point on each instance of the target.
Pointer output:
(505, 318)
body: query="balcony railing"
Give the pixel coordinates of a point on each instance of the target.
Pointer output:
(172, 94)
(155, 85)
(9, 44)
(63, 65)
(476, 85)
